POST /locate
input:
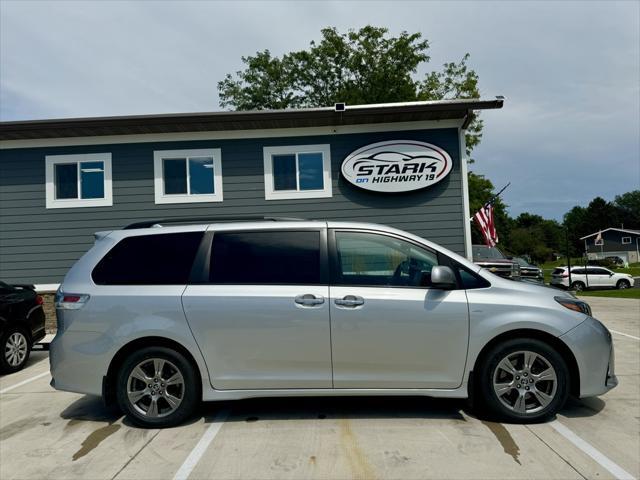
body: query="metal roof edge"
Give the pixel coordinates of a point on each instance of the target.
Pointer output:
(626, 230)
(237, 120)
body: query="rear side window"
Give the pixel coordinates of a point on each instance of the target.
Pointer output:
(164, 259)
(259, 258)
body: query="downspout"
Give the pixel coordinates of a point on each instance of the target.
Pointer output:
(466, 220)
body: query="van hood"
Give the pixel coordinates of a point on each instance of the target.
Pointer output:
(526, 287)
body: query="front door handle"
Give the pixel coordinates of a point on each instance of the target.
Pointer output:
(309, 300)
(350, 301)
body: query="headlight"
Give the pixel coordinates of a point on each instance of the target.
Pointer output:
(574, 304)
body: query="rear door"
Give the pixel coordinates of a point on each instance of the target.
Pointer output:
(261, 317)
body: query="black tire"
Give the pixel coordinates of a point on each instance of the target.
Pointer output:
(623, 284)
(7, 340)
(578, 286)
(534, 410)
(188, 392)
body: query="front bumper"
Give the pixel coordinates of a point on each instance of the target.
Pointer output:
(592, 346)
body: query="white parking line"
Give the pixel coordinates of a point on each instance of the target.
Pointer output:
(24, 382)
(196, 454)
(624, 334)
(616, 470)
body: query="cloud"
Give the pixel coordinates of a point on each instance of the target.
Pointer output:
(570, 72)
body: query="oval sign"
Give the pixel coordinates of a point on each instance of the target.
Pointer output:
(396, 166)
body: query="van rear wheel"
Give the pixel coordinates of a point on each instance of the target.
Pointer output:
(524, 380)
(157, 387)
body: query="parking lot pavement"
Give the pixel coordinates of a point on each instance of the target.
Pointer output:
(57, 435)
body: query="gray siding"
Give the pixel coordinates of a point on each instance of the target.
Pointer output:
(612, 242)
(39, 245)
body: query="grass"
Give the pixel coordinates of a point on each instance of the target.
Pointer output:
(628, 293)
(633, 269)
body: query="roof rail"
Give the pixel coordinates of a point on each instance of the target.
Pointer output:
(218, 219)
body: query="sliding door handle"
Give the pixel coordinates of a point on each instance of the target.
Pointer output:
(350, 301)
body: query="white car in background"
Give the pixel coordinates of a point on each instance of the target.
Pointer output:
(590, 277)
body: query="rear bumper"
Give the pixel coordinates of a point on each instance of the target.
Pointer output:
(78, 361)
(592, 347)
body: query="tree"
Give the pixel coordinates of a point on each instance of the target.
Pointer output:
(599, 215)
(358, 67)
(628, 205)
(535, 236)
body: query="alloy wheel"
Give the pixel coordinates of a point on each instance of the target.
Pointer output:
(155, 388)
(525, 382)
(15, 349)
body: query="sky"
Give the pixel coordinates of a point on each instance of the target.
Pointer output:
(570, 71)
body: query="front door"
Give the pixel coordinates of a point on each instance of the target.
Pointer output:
(262, 320)
(389, 329)
(598, 277)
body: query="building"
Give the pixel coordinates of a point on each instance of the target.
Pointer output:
(613, 242)
(400, 164)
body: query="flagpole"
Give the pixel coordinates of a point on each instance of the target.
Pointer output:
(495, 197)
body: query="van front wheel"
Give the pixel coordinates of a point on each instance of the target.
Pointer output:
(524, 380)
(157, 387)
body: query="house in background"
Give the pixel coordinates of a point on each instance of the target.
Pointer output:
(618, 242)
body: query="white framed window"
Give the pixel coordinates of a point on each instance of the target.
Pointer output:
(186, 176)
(299, 171)
(79, 180)
(626, 240)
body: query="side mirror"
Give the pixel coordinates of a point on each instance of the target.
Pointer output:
(443, 278)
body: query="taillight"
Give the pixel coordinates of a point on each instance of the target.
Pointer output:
(39, 300)
(565, 275)
(70, 301)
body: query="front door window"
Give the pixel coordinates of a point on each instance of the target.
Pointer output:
(375, 260)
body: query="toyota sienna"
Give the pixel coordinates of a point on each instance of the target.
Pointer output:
(158, 317)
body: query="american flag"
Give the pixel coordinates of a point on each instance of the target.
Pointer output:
(484, 220)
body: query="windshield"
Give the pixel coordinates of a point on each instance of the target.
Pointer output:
(480, 251)
(521, 261)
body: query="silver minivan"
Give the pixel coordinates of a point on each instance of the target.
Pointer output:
(158, 318)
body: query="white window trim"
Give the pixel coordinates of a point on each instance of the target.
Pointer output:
(53, 202)
(160, 196)
(626, 238)
(271, 194)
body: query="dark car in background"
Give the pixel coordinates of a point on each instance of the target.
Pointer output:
(529, 271)
(616, 261)
(21, 325)
(495, 261)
